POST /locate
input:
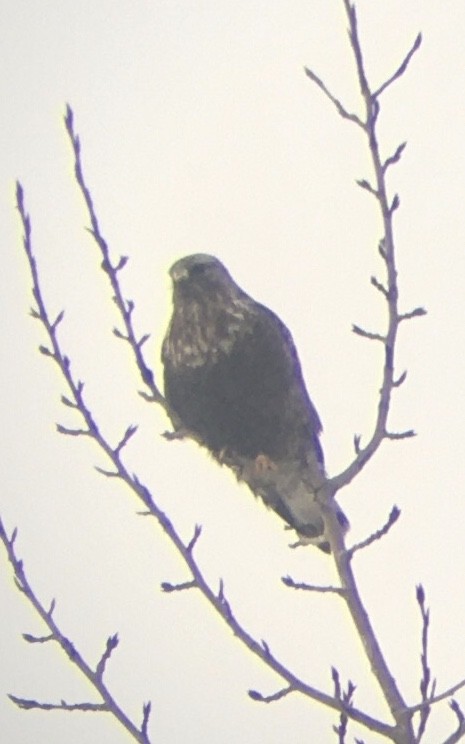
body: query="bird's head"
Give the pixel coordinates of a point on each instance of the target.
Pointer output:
(195, 267)
(201, 275)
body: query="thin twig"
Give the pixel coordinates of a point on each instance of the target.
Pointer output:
(288, 581)
(402, 67)
(346, 697)
(392, 519)
(258, 697)
(124, 305)
(427, 685)
(112, 643)
(359, 331)
(342, 111)
(28, 704)
(459, 733)
(437, 698)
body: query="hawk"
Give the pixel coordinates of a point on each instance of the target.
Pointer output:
(233, 382)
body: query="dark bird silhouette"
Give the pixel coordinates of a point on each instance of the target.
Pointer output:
(234, 383)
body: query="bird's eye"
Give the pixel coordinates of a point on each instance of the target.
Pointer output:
(198, 269)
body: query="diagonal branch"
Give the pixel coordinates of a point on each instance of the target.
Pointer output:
(387, 247)
(427, 685)
(387, 251)
(125, 306)
(109, 704)
(459, 733)
(216, 599)
(440, 696)
(342, 111)
(402, 67)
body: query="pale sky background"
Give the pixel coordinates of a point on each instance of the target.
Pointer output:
(200, 132)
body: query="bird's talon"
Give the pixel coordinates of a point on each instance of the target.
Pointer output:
(263, 464)
(176, 434)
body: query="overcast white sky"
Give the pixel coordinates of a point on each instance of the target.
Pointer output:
(200, 132)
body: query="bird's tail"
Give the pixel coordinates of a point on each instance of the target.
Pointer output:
(289, 488)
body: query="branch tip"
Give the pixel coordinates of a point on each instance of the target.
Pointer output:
(289, 582)
(400, 380)
(395, 157)
(121, 263)
(400, 434)
(359, 331)
(402, 67)
(366, 186)
(167, 587)
(395, 204)
(257, 696)
(379, 286)
(107, 473)
(391, 520)
(146, 710)
(72, 432)
(195, 537)
(417, 312)
(130, 431)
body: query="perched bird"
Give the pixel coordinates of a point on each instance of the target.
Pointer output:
(233, 382)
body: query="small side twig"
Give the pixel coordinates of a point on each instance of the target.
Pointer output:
(440, 696)
(342, 111)
(346, 697)
(402, 67)
(359, 331)
(288, 581)
(28, 704)
(258, 697)
(427, 685)
(459, 733)
(111, 644)
(191, 544)
(395, 157)
(168, 587)
(392, 519)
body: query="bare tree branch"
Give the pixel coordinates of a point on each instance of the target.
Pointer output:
(427, 685)
(342, 111)
(387, 247)
(459, 733)
(27, 704)
(441, 696)
(346, 697)
(125, 306)
(402, 67)
(109, 704)
(288, 581)
(258, 697)
(403, 730)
